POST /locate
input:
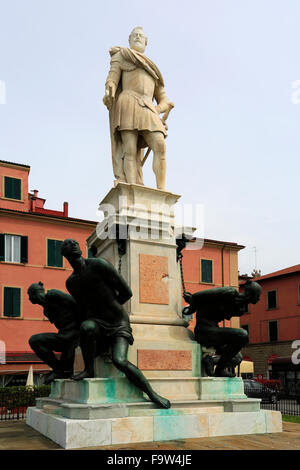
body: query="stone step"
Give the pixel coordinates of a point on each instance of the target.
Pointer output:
(120, 390)
(74, 410)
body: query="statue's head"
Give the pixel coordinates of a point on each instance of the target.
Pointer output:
(36, 292)
(70, 249)
(252, 292)
(138, 40)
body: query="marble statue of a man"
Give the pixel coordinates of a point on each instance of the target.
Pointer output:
(132, 84)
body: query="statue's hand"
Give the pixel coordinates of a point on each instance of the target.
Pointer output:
(109, 96)
(187, 297)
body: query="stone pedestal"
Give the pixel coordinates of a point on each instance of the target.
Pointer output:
(163, 346)
(111, 410)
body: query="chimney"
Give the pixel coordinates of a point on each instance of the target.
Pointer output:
(33, 200)
(66, 207)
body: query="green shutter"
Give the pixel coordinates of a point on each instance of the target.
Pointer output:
(16, 295)
(12, 188)
(1, 246)
(12, 302)
(24, 249)
(7, 302)
(54, 253)
(59, 258)
(206, 271)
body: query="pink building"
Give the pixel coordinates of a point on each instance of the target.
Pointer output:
(30, 241)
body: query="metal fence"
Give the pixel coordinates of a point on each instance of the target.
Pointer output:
(273, 398)
(14, 401)
(287, 406)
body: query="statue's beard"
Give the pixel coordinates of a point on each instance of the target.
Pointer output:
(138, 47)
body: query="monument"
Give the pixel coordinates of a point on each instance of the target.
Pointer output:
(136, 249)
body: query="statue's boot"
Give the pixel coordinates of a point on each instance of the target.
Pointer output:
(57, 374)
(221, 372)
(82, 375)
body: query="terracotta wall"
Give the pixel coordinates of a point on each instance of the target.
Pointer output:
(16, 332)
(15, 172)
(287, 312)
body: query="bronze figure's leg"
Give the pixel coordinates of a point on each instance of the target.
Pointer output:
(43, 345)
(89, 332)
(119, 357)
(227, 341)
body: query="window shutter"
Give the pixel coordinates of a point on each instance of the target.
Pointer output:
(59, 260)
(1, 246)
(12, 301)
(51, 253)
(272, 299)
(16, 297)
(12, 188)
(54, 253)
(24, 249)
(8, 307)
(17, 188)
(206, 270)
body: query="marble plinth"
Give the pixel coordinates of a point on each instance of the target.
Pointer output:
(161, 425)
(79, 414)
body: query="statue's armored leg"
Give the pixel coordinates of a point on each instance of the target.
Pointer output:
(156, 142)
(129, 139)
(119, 357)
(89, 331)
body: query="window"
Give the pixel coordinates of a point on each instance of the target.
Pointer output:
(12, 302)
(92, 252)
(272, 299)
(206, 271)
(273, 330)
(12, 188)
(54, 253)
(13, 248)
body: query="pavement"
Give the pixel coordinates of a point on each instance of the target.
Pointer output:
(16, 435)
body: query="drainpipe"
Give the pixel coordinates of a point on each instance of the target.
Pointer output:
(222, 267)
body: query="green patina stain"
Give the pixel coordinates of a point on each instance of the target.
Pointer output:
(197, 358)
(110, 391)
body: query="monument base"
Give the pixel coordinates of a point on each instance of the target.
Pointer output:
(78, 414)
(149, 424)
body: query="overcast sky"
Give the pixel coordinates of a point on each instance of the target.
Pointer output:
(234, 134)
